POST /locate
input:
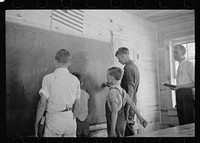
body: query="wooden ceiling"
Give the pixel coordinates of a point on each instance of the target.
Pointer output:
(161, 15)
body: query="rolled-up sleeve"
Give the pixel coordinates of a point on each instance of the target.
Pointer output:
(112, 96)
(44, 90)
(78, 91)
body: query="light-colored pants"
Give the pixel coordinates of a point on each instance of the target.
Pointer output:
(61, 124)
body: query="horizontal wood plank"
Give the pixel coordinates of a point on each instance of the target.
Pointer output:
(187, 130)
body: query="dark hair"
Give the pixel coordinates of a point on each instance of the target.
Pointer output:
(78, 75)
(122, 50)
(116, 72)
(180, 47)
(63, 56)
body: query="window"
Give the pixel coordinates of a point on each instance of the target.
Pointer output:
(190, 51)
(190, 55)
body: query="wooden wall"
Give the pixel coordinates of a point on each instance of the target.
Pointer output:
(168, 30)
(120, 29)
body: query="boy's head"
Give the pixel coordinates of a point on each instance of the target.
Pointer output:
(63, 57)
(78, 75)
(122, 55)
(114, 74)
(122, 51)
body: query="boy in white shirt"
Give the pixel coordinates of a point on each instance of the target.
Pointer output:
(60, 91)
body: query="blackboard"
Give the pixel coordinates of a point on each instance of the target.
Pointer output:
(30, 53)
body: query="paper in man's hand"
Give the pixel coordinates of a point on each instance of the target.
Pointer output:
(169, 85)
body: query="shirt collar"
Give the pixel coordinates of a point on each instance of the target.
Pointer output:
(118, 86)
(129, 62)
(182, 61)
(62, 70)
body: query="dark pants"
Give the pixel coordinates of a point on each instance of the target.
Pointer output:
(129, 128)
(82, 128)
(185, 105)
(120, 124)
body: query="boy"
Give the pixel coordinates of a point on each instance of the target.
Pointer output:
(82, 111)
(60, 91)
(116, 99)
(130, 83)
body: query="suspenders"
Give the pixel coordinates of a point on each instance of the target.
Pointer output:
(121, 93)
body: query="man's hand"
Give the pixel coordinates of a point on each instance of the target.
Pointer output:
(172, 88)
(177, 87)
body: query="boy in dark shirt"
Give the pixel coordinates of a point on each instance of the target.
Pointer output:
(130, 83)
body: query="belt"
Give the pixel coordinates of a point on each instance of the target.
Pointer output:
(67, 109)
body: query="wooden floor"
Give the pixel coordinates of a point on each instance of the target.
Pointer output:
(178, 131)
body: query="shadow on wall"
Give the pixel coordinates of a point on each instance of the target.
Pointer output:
(30, 56)
(94, 74)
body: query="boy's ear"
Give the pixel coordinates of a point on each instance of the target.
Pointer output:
(112, 78)
(55, 62)
(69, 63)
(123, 55)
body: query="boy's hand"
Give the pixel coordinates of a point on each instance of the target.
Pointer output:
(143, 122)
(113, 134)
(36, 130)
(126, 114)
(87, 120)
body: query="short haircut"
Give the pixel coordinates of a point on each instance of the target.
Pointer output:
(78, 75)
(181, 47)
(63, 56)
(122, 50)
(116, 72)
